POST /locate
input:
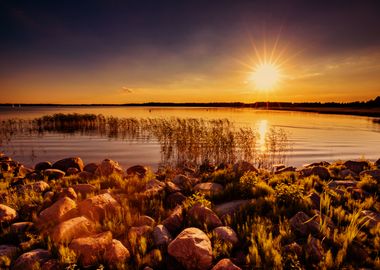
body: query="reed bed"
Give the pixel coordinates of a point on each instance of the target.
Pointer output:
(182, 140)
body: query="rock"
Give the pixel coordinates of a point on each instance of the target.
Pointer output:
(209, 188)
(277, 167)
(374, 174)
(192, 248)
(174, 221)
(138, 170)
(108, 167)
(91, 168)
(21, 227)
(84, 189)
(356, 166)
(242, 167)
(321, 163)
(43, 166)
(99, 207)
(343, 183)
(370, 217)
(136, 235)
(161, 236)
(51, 264)
(377, 163)
(71, 229)
(85, 175)
(66, 163)
(68, 192)
(314, 250)
(116, 254)
(225, 264)
(153, 188)
(31, 260)
(24, 171)
(204, 216)
(145, 220)
(7, 214)
(322, 172)
(347, 173)
(315, 200)
(54, 173)
(304, 225)
(56, 212)
(39, 186)
(91, 249)
(184, 182)
(287, 169)
(175, 199)
(172, 188)
(229, 208)
(7, 254)
(226, 234)
(294, 248)
(72, 171)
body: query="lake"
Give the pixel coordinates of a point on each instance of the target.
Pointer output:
(312, 137)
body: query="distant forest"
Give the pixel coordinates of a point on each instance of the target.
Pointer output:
(373, 103)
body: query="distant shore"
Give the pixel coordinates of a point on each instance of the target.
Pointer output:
(355, 108)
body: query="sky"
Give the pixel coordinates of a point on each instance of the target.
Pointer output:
(94, 51)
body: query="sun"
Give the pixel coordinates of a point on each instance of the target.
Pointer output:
(266, 76)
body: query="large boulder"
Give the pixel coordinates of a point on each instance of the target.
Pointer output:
(7, 254)
(99, 207)
(7, 214)
(161, 236)
(57, 211)
(66, 163)
(209, 188)
(225, 264)
(356, 166)
(32, 260)
(343, 183)
(204, 216)
(192, 248)
(91, 249)
(108, 167)
(72, 228)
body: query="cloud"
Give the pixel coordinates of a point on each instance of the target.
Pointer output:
(126, 90)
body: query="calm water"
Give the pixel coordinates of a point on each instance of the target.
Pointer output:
(313, 137)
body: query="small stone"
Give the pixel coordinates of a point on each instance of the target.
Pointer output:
(98, 207)
(43, 166)
(304, 225)
(108, 167)
(175, 199)
(231, 207)
(314, 250)
(225, 264)
(209, 188)
(137, 170)
(31, 259)
(7, 214)
(145, 220)
(54, 173)
(242, 167)
(226, 234)
(204, 216)
(72, 171)
(21, 227)
(356, 166)
(174, 221)
(71, 229)
(91, 168)
(161, 235)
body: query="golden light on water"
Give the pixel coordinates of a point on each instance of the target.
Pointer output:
(262, 128)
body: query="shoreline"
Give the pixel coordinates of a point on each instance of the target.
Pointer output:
(232, 215)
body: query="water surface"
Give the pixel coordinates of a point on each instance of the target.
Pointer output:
(313, 137)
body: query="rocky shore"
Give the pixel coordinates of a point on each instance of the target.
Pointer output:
(71, 215)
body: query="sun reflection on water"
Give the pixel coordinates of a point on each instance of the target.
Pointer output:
(262, 127)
